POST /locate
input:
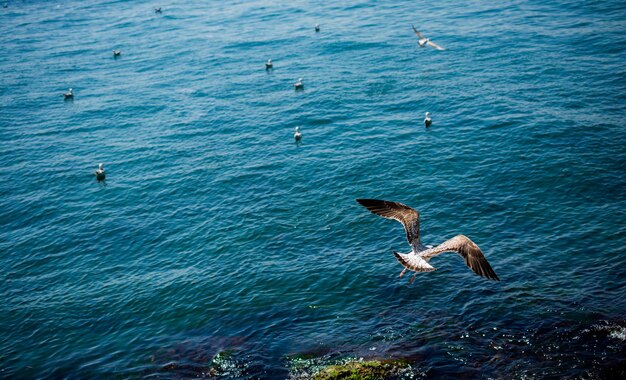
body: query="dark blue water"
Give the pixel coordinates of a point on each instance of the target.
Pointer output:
(218, 247)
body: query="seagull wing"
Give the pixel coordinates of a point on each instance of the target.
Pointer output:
(417, 32)
(468, 250)
(404, 214)
(429, 43)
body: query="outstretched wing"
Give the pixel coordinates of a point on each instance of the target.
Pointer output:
(469, 251)
(417, 32)
(404, 214)
(430, 43)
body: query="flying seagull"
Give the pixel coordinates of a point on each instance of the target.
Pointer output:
(423, 41)
(417, 260)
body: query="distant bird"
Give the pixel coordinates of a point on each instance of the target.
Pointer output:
(117, 53)
(317, 28)
(69, 94)
(417, 260)
(269, 64)
(100, 174)
(297, 135)
(298, 85)
(157, 10)
(423, 41)
(427, 120)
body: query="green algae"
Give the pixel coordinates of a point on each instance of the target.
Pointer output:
(363, 370)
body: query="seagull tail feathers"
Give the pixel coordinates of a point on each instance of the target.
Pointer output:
(413, 262)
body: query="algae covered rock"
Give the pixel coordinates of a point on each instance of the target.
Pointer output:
(364, 370)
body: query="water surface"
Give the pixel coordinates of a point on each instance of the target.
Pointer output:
(219, 247)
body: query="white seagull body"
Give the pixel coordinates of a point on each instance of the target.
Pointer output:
(298, 85)
(297, 135)
(100, 174)
(423, 41)
(418, 259)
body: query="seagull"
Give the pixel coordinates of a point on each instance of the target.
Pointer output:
(100, 174)
(297, 135)
(427, 120)
(269, 64)
(117, 53)
(317, 28)
(422, 42)
(157, 10)
(298, 85)
(417, 260)
(69, 94)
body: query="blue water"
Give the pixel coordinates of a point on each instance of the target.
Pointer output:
(218, 247)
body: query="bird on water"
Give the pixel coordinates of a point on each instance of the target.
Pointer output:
(298, 85)
(269, 64)
(317, 28)
(117, 53)
(423, 41)
(100, 174)
(157, 10)
(69, 94)
(427, 120)
(417, 260)
(297, 136)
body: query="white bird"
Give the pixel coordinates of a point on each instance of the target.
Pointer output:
(317, 28)
(423, 41)
(100, 174)
(117, 53)
(269, 64)
(297, 135)
(69, 94)
(299, 85)
(417, 260)
(427, 120)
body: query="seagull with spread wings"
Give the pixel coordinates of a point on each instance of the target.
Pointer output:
(423, 41)
(417, 260)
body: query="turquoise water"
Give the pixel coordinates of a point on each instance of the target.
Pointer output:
(218, 247)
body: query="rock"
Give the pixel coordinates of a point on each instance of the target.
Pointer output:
(364, 370)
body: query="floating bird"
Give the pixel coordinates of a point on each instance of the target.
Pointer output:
(269, 64)
(427, 120)
(417, 260)
(423, 41)
(298, 85)
(317, 28)
(297, 135)
(117, 53)
(157, 10)
(100, 174)
(69, 94)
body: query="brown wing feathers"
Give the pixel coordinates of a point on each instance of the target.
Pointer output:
(396, 211)
(472, 255)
